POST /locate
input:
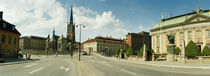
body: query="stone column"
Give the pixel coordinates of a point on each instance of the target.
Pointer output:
(145, 53)
(183, 57)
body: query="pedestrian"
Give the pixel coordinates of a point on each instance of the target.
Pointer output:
(26, 56)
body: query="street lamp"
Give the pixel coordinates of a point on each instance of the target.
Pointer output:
(80, 26)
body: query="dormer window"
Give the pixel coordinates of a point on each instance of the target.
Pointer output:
(4, 25)
(13, 28)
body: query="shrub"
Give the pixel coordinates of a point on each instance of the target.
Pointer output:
(118, 51)
(205, 51)
(130, 51)
(192, 50)
(177, 50)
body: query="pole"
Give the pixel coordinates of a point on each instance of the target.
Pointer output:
(79, 41)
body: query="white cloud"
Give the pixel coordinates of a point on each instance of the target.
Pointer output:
(34, 17)
(38, 17)
(104, 24)
(143, 28)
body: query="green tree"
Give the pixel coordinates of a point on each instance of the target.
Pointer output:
(192, 49)
(130, 51)
(140, 53)
(205, 51)
(118, 51)
(177, 50)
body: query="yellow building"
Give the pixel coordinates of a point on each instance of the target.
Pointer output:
(9, 39)
(193, 26)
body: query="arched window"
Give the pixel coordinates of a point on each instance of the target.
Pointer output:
(189, 35)
(181, 36)
(198, 34)
(158, 39)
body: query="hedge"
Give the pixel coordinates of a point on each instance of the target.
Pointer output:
(192, 50)
(177, 50)
(206, 51)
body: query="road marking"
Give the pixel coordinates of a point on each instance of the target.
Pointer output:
(31, 65)
(129, 72)
(65, 69)
(35, 70)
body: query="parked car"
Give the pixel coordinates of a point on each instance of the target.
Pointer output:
(84, 53)
(1, 60)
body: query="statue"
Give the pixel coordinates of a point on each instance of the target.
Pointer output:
(171, 38)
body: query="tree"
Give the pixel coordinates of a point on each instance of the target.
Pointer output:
(177, 50)
(192, 49)
(130, 51)
(118, 51)
(206, 51)
(142, 50)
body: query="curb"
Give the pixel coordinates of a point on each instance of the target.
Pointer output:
(168, 66)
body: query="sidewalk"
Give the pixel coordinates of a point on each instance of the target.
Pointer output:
(10, 61)
(170, 64)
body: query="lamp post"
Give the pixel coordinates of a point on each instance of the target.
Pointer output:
(80, 26)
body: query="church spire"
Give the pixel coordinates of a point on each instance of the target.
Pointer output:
(71, 16)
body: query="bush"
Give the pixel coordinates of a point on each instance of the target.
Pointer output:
(130, 51)
(147, 49)
(205, 51)
(177, 50)
(192, 50)
(118, 51)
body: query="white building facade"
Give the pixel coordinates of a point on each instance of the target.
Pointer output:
(193, 26)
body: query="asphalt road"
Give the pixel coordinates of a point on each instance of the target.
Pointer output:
(104, 67)
(65, 66)
(47, 66)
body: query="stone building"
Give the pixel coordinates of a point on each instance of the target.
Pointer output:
(137, 40)
(105, 45)
(9, 39)
(32, 43)
(193, 26)
(60, 43)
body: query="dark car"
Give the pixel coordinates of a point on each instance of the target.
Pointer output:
(84, 53)
(1, 60)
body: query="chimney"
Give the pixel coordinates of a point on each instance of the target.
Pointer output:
(1, 15)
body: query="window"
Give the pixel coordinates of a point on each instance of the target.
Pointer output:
(2, 52)
(4, 25)
(3, 39)
(13, 28)
(8, 53)
(189, 35)
(208, 33)
(158, 50)
(15, 41)
(198, 34)
(158, 39)
(9, 39)
(181, 36)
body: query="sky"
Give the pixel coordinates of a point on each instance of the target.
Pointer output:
(112, 18)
